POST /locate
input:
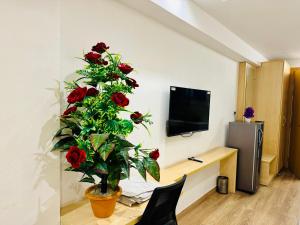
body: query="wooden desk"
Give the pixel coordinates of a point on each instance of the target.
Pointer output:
(81, 213)
(226, 156)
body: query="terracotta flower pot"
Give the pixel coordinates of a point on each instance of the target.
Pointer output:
(103, 206)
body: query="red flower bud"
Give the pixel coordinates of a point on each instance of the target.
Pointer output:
(120, 99)
(115, 76)
(76, 156)
(92, 92)
(77, 95)
(137, 117)
(132, 82)
(100, 47)
(70, 110)
(93, 57)
(154, 154)
(125, 68)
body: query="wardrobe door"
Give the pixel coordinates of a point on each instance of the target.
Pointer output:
(267, 105)
(291, 90)
(294, 159)
(284, 129)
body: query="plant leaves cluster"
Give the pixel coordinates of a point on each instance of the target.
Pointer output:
(97, 128)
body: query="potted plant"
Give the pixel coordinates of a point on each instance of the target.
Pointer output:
(248, 114)
(93, 133)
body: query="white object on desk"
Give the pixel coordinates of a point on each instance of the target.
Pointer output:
(136, 191)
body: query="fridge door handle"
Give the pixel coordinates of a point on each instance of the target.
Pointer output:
(260, 140)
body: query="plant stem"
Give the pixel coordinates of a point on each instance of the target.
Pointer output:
(103, 185)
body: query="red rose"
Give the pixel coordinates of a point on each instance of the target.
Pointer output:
(92, 92)
(125, 68)
(70, 110)
(93, 57)
(100, 47)
(76, 156)
(115, 76)
(132, 82)
(120, 99)
(154, 154)
(104, 62)
(77, 95)
(137, 117)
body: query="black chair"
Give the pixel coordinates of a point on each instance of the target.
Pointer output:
(162, 205)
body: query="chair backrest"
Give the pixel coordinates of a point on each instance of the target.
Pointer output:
(162, 205)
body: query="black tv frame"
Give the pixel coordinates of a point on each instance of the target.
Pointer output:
(189, 132)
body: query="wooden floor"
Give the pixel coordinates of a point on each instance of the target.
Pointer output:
(278, 204)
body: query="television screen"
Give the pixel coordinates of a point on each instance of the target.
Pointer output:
(188, 111)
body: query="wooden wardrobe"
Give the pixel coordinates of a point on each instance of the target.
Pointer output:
(266, 89)
(294, 157)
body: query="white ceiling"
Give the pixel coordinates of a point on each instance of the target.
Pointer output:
(272, 27)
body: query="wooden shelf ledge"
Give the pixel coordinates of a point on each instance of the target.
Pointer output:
(268, 169)
(188, 167)
(268, 158)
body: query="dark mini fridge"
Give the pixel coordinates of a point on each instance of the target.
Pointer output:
(248, 139)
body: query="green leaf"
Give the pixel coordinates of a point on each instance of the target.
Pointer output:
(64, 144)
(70, 85)
(125, 144)
(59, 132)
(123, 154)
(72, 169)
(97, 140)
(89, 156)
(88, 125)
(125, 171)
(69, 168)
(102, 168)
(62, 133)
(140, 167)
(88, 180)
(126, 126)
(69, 123)
(112, 125)
(137, 147)
(152, 168)
(72, 125)
(114, 178)
(105, 150)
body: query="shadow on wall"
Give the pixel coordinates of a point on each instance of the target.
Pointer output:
(47, 169)
(71, 189)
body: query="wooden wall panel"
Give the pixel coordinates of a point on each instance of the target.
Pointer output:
(294, 158)
(241, 91)
(250, 85)
(284, 129)
(246, 88)
(291, 90)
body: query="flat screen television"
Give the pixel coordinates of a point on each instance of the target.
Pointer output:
(188, 111)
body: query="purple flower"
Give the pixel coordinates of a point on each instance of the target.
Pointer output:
(249, 112)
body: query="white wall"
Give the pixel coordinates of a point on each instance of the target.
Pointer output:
(29, 57)
(162, 58)
(294, 62)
